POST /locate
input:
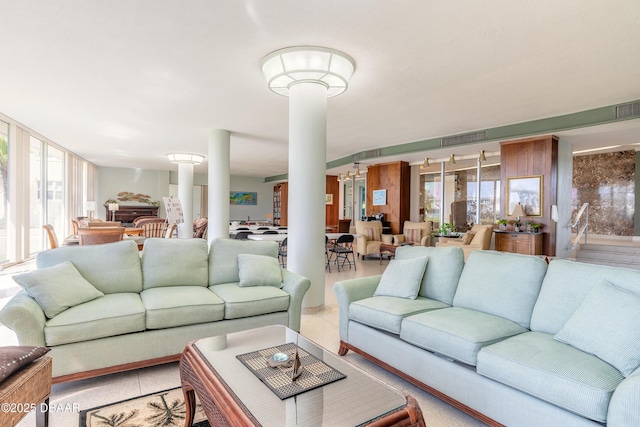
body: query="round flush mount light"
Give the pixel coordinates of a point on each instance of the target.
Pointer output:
(303, 64)
(194, 159)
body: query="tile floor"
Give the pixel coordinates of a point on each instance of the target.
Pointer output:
(321, 327)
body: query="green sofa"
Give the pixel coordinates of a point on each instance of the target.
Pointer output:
(107, 308)
(505, 337)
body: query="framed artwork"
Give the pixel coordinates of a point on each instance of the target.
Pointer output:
(243, 198)
(526, 190)
(379, 197)
(328, 199)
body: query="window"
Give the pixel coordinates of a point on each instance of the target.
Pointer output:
(4, 189)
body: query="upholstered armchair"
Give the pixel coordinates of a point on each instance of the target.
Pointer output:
(479, 237)
(369, 237)
(418, 233)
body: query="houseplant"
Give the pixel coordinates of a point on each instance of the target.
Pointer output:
(502, 224)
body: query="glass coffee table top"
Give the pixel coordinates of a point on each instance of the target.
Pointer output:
(354, 400)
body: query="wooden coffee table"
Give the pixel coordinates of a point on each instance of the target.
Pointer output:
(231, 395)
(390, 250)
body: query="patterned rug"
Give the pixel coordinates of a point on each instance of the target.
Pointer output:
(161, 409)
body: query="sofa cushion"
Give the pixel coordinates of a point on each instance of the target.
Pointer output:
(386, 313)
(441, 276)
(175, 262)
(113, 314)
(413, 235)
(402, 278)
(259, 270)
(97, 264)
(250, 301)
(223, 257)
(372, 233)
(566, 285)
(557, 373)
(607, 325)
(170, 306)
(456, 332)
(502, 284)
(57, 288)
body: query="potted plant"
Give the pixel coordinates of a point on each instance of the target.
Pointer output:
(445, 229)
(535, 227)
(502, 224)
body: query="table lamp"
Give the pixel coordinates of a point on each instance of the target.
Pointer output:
(518, 211)
(113, 207)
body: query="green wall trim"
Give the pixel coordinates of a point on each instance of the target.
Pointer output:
(581, 119)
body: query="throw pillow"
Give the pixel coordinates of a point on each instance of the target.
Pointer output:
(402, 278)
(413, 235)
(606, 325)
(372, 233)
(57, 288)
(13, 358)
(259, 270)
(468, 237)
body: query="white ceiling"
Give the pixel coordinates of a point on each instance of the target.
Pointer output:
(122, 83)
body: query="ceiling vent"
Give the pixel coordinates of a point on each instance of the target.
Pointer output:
(371, 154)
(464, 138)
(628, 110)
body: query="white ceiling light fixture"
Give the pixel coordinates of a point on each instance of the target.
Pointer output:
(286, 67)
(194, 159)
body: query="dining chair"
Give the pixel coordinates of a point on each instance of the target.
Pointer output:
(100, 235)
(262, 228)
(51, 233)
(341, 250)
(282, 252)
(326, 253)
(154, 229)
(242, 228)
(170, 231)
(75, 224)
(243, 235)
(270, 232)
(103, 224)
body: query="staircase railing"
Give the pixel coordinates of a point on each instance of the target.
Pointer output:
(583, 229)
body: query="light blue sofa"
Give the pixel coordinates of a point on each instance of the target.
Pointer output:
(500, 337)
(178, 290)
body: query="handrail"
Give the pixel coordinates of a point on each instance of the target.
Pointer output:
(582, 230)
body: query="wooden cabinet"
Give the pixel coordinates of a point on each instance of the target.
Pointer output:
(126, 214)
(280, 205)
(395, 178)
(519, 243)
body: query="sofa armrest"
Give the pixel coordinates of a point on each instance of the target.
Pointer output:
(348, 291)
(296, 286)
(387, 239)
(23, 315)
(425, 241)
(623, 408)
(398, 238)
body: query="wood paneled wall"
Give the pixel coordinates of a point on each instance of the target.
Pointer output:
(333, 187)
(533, 156)
(394, 177)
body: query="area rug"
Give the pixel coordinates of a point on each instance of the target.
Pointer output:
(162, 409)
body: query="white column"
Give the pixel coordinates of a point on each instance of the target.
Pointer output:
(185, 194)
(307, 187)
(219, 184)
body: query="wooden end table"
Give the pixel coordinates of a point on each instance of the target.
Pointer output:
(231, 395)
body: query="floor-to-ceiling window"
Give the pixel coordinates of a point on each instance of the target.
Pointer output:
(4, 189)
(456, 200)
(36, 199)
(55, 189)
